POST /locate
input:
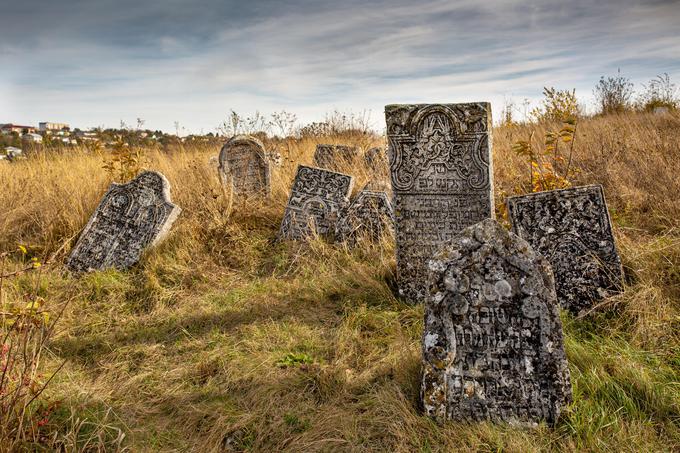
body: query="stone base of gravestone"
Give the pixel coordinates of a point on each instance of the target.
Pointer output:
(572, 229)
(129, 218)
(492, 342)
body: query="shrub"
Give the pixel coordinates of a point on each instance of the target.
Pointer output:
(660, 92)
(614, 94)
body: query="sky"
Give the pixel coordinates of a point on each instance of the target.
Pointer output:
(97, 62)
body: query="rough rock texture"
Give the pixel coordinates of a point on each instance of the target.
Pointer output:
(492, 343)
(316, 200)
(369, 216)
(245, 166)
(440, 167)
(129, 218)
(572, 229)
(333, 156)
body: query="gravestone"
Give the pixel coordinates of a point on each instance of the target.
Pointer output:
(572, 229)
(375, 158)
(333, 157)
(492, 341)
(440, 167)
(129, 218)
(369, 216)
(316, 200)
(244, 166)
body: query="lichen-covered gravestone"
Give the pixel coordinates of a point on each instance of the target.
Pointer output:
(369, 216)
(245, 166)
(440, 166)
(572, 229)
(316, 200)
(129, 218)
(492, 342)
(333, 157)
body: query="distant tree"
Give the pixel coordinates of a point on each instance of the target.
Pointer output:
(660, 92)
(614, 94)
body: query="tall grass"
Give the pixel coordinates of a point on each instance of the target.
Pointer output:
(222, 339)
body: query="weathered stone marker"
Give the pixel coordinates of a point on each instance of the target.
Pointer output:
(440, 165)
(129, 218)
(316, 200)
(244, 165)
(369, 216)
(334, 156)
(375, 158)
(492, 343)
(572, 229)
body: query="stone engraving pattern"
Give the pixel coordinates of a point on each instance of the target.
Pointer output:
(334, 156)
(440, 168)
(369, 216)
(245, 166)
(316, 200)
(492, 343)
(129, 218)
(572, 229)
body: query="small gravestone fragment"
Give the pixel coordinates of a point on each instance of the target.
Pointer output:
(492, 342)
(572, 229)
(375, 158)
(245, 167)
(369, 216)
(440, 167)
(130, 218)
(316, 201)
(334, 157)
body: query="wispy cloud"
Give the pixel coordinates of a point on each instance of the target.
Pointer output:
(170, 60)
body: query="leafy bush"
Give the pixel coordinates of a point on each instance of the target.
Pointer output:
(614, 94)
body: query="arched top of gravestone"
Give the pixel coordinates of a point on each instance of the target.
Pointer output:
(492, 343)
(244, 165)
(129, 218)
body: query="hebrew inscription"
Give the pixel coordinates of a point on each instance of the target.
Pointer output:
(245, 167)
(129, 218)
(440, 167)
(369, 216)
(572, 229)
(492, 343)
(316, 200)
(334, 157)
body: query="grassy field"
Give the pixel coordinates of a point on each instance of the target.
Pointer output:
(221, 339)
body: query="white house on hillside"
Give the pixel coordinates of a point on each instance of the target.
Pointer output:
(32, 138)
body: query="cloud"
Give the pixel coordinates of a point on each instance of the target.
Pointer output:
(97, 62)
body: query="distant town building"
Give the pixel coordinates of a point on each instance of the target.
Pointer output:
(86, 136)
(12, 152)
(32, 138)
(52, 127)
(19, 129)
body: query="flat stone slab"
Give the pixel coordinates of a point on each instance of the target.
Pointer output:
(333, 157)
(316, 200)
(572, 229)
(440, 167)
(129, 218)
(244, 166)
(492, 342)
(369, 216)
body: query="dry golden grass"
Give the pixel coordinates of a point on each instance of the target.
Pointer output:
(221, 339)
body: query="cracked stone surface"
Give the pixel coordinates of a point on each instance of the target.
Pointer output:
(129, 218)
(440, 168)
(244, 166)
(316, 201)
(492, 342)
(572, 229)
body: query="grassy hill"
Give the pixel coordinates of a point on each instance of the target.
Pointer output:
(221, 339)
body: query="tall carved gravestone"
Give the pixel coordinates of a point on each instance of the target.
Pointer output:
(129, 218)
(572, 229)
(244, 165)
(334, 156)
(440, 165)
(492, 342)
(369, 216)
(316, 200)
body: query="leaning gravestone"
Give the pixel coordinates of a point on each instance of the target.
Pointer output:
(333, 156)
(492, 342)
(245, 166)
(316, 200)
(440, 165)
(572, 229)
(129, 218)
(369, 216)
